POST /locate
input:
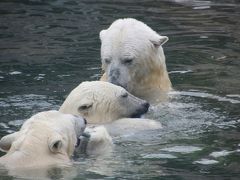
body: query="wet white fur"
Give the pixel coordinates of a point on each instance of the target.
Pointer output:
(146, 77)
(47, 138)
(105, 101)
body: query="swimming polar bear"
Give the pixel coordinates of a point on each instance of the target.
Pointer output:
(47, 138)
(108, 109)
(132, 57)
(102, 102)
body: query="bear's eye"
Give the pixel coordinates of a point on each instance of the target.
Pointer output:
(107, 61)
(128, 61)
(84, 107)
(125, 95)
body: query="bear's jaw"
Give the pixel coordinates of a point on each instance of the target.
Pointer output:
(33, 151)
(24, 160)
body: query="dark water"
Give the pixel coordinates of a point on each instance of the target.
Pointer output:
(47, 47)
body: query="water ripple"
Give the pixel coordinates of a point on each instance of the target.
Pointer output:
(55, 45)
(205, 95)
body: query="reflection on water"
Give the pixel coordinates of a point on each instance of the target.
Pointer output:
(49, 47)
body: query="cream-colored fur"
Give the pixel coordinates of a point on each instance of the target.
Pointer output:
(131, 126)
(102, 102)
(100, 141)
(108, 109)
(47, 138)
(132, 57)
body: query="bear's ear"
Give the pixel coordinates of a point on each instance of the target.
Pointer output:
(55, 143)
(102, 33)
(6, 141)
(159, 41)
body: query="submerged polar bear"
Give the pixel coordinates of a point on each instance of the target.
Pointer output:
(132, 57)
(102, 102)
(47, 138)
(108, 109)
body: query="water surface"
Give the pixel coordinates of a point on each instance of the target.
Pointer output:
(49, 47)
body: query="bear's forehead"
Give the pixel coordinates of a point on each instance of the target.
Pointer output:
(130, 23)
(103, 91)
(100, 92)
(125, 36)
(97, 89)
(31, 134)
(51, 117)
(129, 28)
(98, 86)
(127, 44)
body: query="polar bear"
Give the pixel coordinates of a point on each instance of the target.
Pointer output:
(102, 102)
(132, 57)
(110, 111)
(47, 138)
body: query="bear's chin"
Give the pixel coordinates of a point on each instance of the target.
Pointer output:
(119, 84)
(139, 114)
(136, 116)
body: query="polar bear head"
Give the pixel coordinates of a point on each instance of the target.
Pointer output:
(103, 102)
(47, 138)
(132, 56)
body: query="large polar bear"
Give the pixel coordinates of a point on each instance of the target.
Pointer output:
(110, 110)
(102, 102)
(47, 138)
(132, 57)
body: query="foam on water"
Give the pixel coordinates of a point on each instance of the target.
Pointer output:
(159, 156)
(16, 122)
(233, 95)
(4, 125)
(179, 72)
(206, 161)
(40, 77)
(183, 116)
(61, 39)
(15, 73)
(204, 95)
(186, 115)
(221, 153)
(182, 149)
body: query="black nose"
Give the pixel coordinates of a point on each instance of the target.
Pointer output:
(85, 121)
(142, 110)
(146, 105)
(114, 74)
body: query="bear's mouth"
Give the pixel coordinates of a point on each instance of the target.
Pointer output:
(140, 112)
(136, 116)
(119, 84)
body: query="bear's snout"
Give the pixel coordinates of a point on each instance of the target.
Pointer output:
(114, 77)
(85, 121)
(142, 110)
(114, 74)
(146, 105)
